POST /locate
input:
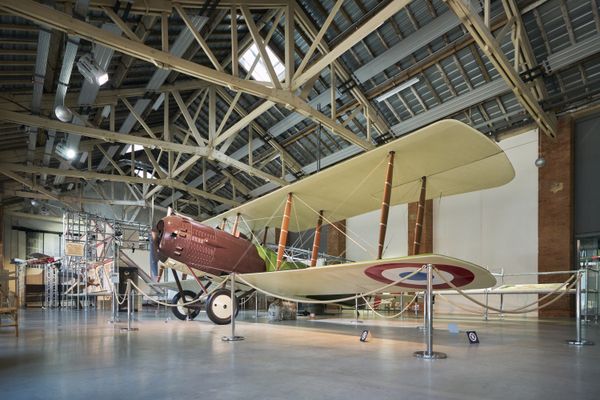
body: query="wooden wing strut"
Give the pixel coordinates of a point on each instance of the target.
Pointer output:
(385, 204)
(316, 241)
(285, 223)
(420, 213)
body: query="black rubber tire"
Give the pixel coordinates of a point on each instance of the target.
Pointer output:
(188, 296)
(217, 311)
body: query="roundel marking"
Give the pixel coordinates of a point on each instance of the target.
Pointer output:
(391, 272)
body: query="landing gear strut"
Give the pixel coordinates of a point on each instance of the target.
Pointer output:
(185, 312)
(182, 297)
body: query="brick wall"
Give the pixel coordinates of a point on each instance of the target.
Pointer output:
(336, 240)
(555, 202)
(427, 234)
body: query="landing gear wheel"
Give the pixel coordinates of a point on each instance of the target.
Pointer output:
(218, 307)
(182, 312)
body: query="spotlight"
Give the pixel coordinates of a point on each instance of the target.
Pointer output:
(63, 113)
(540, 162)
(70, 154)
(91, 71)
(65, 152)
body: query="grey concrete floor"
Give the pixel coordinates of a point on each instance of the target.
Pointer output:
(70, 354)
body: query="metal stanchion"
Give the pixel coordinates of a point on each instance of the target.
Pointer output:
(597, 293)
(401, 304)
(487, 298)
(129, 308)
(425, 313)
(429, 354)
(256, 305)
(587, 293)
(356, 320)
(579, 341)
(114, 283)
(233, 337)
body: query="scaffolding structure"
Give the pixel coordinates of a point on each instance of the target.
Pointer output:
(90, 242)
(51, 288)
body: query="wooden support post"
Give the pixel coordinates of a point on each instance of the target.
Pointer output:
(223, 223)
(316, 241)
(234, 230)
(420, 214)
(385, 204)
(285, 222)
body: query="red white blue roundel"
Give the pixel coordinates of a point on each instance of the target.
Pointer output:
(389, 273)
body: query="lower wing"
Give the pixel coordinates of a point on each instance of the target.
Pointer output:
(368, 276)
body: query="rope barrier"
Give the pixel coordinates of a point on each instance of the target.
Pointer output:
(457, 305)
(121, 302)
(390, 316)
(310, 301)
(247, 299)
(519, 310)
(203, 297)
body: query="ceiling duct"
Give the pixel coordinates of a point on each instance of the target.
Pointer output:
(102, 56)
(80, 9)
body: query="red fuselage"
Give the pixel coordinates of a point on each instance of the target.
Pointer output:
(204, 248)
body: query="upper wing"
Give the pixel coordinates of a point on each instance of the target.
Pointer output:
(454, 157)
(366, 276)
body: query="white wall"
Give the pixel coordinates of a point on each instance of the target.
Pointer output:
(496, 228)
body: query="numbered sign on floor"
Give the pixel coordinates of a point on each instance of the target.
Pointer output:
(364, 335)
(472, 336)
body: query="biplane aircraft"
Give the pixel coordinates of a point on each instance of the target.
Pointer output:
(442, 159)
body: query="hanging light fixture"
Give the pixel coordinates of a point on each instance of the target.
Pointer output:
(63, 113)
(540, 161)
(91, 71)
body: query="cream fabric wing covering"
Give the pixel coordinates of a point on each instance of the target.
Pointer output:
(351, 278)
(454, 157)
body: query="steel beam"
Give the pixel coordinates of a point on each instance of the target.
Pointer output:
(156, 7)
(88, 175)
(26, 182)
(315, 43)
(45, 15)
(352, 39)
(490, 46)
(108, 136)
(75, 200)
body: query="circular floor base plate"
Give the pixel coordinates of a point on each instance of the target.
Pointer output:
(434, 355)
(581, 342)
(232, 338)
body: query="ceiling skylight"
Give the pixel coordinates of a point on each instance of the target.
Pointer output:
(136, 147)
(260, 72)
(144, 174)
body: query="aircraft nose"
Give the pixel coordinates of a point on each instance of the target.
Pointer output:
(159, 231)
(157, 236)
